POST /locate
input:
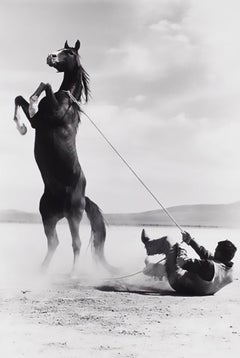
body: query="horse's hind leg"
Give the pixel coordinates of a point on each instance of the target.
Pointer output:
(74, 223)
(52, 240)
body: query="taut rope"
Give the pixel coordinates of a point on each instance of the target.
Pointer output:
(125, 162)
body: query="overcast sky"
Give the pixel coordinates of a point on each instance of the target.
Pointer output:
(165, 81)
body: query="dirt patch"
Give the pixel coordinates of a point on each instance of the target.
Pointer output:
(72, 319)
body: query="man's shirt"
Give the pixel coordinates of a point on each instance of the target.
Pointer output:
(203, 267)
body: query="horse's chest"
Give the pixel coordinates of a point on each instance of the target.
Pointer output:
(64, 133)
(56, 146)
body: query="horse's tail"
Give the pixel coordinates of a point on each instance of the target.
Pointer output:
(98, 232)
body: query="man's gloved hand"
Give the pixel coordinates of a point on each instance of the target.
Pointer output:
(186, 237)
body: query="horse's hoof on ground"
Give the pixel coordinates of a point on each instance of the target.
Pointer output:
(73, 275)
(43, 270)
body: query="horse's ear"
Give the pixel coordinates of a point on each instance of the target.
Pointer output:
(66, 45)
(77, 45)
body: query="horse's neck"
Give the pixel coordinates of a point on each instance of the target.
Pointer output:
(72, 81)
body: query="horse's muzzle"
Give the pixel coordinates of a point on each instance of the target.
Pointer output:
(51, 60)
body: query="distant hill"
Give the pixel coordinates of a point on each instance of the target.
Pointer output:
(206, 215)
(17, 216)
(219, 215)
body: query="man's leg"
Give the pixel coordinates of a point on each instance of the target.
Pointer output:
(177, 277)
(158, 246)
(156, 270)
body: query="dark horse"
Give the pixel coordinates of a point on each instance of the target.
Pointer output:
(55, 121)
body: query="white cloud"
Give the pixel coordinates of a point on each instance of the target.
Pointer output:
(139, 98)
(165, 27)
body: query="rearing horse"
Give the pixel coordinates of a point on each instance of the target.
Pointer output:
(55, 121)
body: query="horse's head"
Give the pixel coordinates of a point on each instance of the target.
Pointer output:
(66, 59)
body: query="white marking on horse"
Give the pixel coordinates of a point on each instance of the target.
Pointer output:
(33, 106)
(20, 125)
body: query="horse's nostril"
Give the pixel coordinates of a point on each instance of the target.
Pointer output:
(53, 55)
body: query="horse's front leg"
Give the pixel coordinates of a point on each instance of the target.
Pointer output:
(33, 101)
(21, 102)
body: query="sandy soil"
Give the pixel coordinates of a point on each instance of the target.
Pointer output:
(62, 317)
(54, 316)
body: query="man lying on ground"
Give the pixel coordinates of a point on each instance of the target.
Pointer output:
(204, 276)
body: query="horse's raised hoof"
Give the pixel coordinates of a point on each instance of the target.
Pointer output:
(33, 106)
(22, 128)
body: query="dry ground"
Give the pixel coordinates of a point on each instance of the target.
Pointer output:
(58, 317)
(67, 318)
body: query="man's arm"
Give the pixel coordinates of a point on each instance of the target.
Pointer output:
(204, 268)
(200, 250)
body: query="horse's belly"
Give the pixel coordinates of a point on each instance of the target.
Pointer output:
(58, 164)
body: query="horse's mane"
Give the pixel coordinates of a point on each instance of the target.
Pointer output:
(85, 92)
